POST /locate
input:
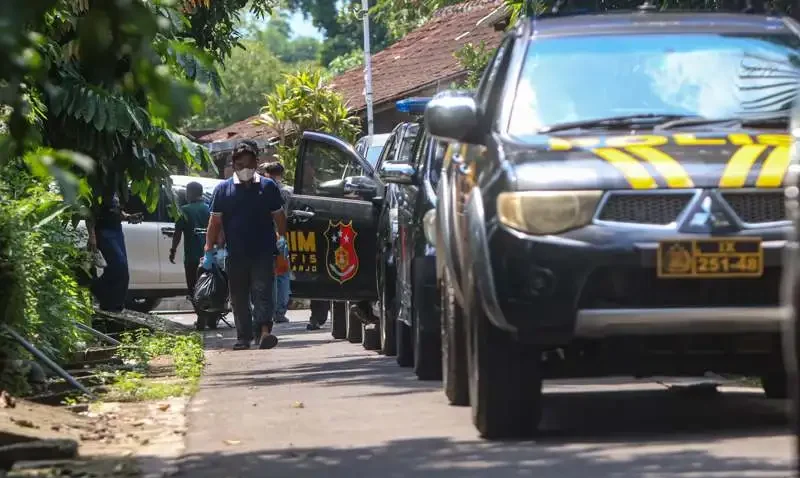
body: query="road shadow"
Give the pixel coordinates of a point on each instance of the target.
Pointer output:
(289, 335)
(445, 458)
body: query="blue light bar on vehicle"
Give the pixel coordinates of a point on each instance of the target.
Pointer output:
(414, 106)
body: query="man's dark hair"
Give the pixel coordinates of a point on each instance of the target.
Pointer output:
(275, 169)
(246, 146)
(194, 191)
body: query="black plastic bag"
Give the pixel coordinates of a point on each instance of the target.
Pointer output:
(211, 291)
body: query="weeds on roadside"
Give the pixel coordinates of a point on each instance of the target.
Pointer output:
(139, 348)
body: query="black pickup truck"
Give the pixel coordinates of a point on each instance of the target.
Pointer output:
(635, 232)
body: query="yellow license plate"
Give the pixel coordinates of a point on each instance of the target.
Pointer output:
(710, 258)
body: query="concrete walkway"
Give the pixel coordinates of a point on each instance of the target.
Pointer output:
(315, 407)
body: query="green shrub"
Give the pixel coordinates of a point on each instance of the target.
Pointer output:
(39, 294)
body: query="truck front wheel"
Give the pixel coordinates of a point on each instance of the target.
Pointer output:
(454, 346)
(505, 379)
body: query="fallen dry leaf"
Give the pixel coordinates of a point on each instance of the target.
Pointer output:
(6, 400)
(298, 405)
(164, 407)
(232, 442)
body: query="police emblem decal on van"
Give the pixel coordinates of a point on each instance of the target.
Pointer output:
(341, 259)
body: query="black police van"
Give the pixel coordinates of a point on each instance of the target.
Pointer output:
(357, 234)
(614, 206)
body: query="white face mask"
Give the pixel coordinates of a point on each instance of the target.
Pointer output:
(245, 174)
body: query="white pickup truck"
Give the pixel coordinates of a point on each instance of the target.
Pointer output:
(152, 276)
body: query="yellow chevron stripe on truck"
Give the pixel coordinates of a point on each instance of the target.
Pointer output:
(740, 164)
(673, 173)
(774, 168)
(630, 167)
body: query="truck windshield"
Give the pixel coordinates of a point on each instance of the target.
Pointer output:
(707, 75)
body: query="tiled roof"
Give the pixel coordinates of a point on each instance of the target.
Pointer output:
(244, 129)
(423, 57)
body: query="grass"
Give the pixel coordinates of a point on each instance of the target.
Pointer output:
(140, 348)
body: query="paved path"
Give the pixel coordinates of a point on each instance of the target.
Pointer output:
(315, 407)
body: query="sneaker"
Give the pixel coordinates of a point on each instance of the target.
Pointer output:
(241, 345)
(281, 320)
(312, 326)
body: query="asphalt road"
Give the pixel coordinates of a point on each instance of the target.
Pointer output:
(315, 407)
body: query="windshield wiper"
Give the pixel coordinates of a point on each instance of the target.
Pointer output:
(772, 119)
(616, 121)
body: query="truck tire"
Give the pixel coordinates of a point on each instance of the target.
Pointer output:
(354, 325)
(776, 384)
(371, 337)
(339, 320)
(505, 379)
(427, 340)
(454, 346)
(405, 352)
(388, 311)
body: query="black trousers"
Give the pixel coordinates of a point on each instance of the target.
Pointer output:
(319, 311)
(190, 268)
(250, 279)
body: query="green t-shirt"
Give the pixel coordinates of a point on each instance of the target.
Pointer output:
(194, 216)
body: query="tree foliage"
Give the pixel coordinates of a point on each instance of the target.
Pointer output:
(342, 63)
(91, 93)
(248, 75)
(474, 59)
(253, 70)
(303, 102)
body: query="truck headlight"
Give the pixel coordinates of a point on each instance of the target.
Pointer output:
(429, 226)
(547, 212)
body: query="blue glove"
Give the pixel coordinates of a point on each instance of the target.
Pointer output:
(281, 244)
(208, 260)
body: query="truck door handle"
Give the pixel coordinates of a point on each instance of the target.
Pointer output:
(299, 215)
(168, 231)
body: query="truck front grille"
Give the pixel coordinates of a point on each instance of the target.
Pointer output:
(654, 209)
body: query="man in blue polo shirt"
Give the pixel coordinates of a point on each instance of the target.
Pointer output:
(244, 208)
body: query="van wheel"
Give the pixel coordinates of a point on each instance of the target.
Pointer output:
(338, 320)
(427, 339)
(353, 324)
(454, 346)
(371, 337)
(405, 350)
(388, 311)
(505, 380)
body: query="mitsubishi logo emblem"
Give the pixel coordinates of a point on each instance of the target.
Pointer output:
(709, 215)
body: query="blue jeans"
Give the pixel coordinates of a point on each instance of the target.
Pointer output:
(111, 288)
(281, 290)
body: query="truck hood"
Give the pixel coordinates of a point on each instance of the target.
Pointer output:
(675, 161)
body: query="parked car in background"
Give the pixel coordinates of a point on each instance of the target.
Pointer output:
(152, 276)
(371, 150)
(412, 183)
